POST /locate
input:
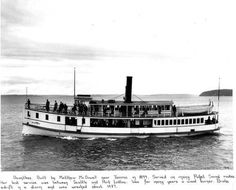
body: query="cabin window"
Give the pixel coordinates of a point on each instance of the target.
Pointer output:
(202, 120)
(170, 122)
(178, 121)
(190, 121)
(198, 120)
(175, 122)
(182, 121)
(167, 107)
(158, 122)
(37, 115)
(194, 120)
(46, 117)
(28, 113)
(83, 120)
(58, 118)
(166, 122)
(186, 121)
(162, 122)
(155, 122)
(71, 121)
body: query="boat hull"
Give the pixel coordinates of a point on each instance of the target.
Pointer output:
(99, 133)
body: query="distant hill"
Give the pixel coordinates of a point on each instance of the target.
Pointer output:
(223, 92)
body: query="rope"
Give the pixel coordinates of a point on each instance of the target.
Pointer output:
(118, 96)
(139, 98)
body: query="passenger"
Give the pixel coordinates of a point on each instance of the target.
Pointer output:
(213, 120)
(80, 109)
(60, 107)
(85, 109)
(208, 121)
(145, 111)
(28, 103)
(47, 105)
(65, 108)
(55, 106)
(159, 109)
(74, 108)
(174, 110)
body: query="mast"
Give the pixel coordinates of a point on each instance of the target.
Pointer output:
(26, 93)
(74, 82)
(218, 94)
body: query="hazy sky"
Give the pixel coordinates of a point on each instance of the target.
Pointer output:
(167, 46)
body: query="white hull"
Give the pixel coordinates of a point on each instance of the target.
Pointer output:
(90, 132)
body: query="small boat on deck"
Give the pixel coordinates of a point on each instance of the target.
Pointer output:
(194, 109)
(90, 117)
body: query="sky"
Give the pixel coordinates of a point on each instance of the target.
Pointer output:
(167, 46)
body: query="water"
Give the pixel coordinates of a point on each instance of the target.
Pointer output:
(36, 153)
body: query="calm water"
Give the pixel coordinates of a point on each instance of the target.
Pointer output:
(19, 153)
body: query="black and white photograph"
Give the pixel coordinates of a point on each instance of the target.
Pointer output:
(102, 85)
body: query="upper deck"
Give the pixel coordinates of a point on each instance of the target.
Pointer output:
(117, 109)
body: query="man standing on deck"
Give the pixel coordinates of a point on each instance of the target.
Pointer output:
(47, 105)
(55, 106)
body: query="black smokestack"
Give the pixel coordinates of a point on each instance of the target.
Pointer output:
(128, 90)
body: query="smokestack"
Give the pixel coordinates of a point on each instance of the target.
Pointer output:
(128, 90)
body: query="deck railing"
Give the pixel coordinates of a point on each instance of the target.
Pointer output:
(89, 113)
(42, 108)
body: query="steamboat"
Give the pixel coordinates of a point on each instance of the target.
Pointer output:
(89, 117)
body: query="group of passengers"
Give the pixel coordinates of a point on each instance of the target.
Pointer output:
(107, 123)
(62, 108)
(80, 109)
(211, 121)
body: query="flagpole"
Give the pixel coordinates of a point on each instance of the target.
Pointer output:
(26, 93)
(74, 82)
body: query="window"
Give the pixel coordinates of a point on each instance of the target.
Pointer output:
(182, 121)
(175, 122)
(58, 118)
(46, 117)
(83, 120)
(158, 122)
(194, 120)
(166, 122)
(73, 121)
(162, 122)
(170, 122)
(202, 120)
(37, 115)
(190, 121)
(28, 113)
(155, 122)
(167, 107)
(198, 120)
(178, 121)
